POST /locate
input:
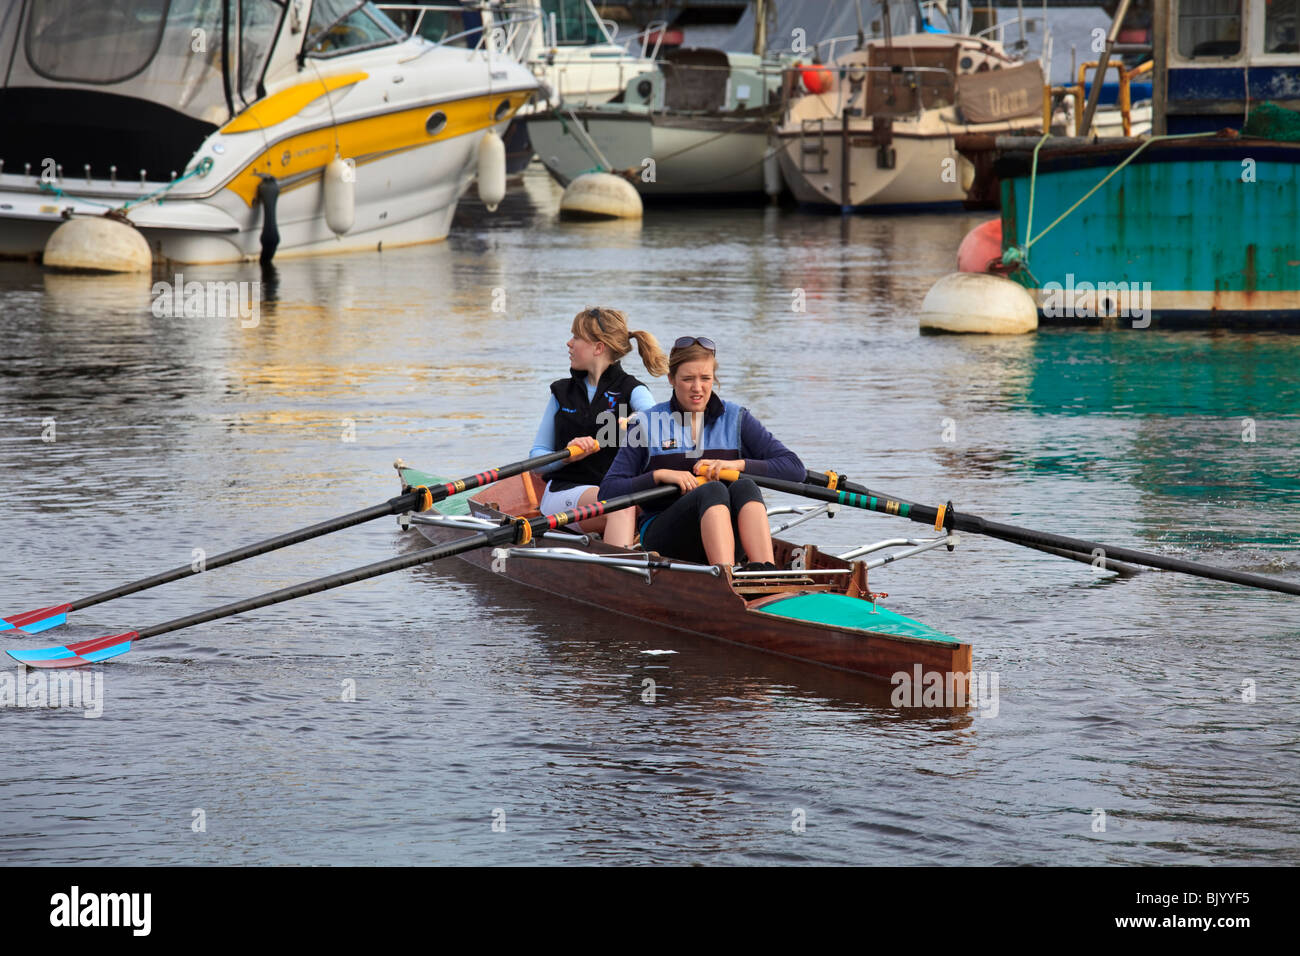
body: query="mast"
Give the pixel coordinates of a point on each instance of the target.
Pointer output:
(760, 26)
(1094, 95)
(1160, 66)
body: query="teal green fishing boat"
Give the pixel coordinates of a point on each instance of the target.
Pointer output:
(1195, 226)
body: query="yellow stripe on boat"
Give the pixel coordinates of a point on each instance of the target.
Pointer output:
(288, 103)
(367, 139)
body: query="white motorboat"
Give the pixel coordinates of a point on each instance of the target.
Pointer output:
(696, 125)
(575, 54)
(880, 130)
(214, 125)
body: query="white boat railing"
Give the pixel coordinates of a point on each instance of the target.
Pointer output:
(828, 50)
(655, 29)
(510, 34)
(846, 93)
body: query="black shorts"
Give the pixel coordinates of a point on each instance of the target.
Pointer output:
(675, 532)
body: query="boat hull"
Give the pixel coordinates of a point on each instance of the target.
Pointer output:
(711, 607)
(692, 155)
(1191, 233)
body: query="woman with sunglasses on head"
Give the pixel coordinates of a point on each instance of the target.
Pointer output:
(697, 433)
(587, 403)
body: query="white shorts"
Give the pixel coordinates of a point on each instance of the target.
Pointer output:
(553, 502)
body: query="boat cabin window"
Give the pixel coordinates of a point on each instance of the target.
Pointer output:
(346, 26)
(1280, 18)
(576, 24)
(76, 42)
(1209, 28)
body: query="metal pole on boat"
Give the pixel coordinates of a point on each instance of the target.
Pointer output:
(846, 205)
(1159, 59)
(760, 26)
(1094, 95)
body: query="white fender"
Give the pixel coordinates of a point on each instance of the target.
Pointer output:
(340, 195)
(491, 170)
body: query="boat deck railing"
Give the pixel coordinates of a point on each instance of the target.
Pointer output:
(850, 88)
(506, 28)
(646, 564)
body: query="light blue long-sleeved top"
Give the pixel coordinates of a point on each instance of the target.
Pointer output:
(544, 440)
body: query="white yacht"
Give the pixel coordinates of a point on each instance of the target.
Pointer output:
(880, 130)
(230, 129)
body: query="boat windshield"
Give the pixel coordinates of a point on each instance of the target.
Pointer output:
(346, 26)
(571, 23)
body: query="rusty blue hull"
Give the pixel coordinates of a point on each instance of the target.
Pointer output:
(1192, 232)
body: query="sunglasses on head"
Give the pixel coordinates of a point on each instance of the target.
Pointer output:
(595, 314)
(686, 341)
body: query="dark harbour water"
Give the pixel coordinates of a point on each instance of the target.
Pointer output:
(476, 702)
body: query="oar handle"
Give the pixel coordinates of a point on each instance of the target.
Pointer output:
(482, 478)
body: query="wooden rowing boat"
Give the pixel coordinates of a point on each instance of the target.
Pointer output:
(820, 611)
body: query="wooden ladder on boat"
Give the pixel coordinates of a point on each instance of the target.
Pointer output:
(807, 148)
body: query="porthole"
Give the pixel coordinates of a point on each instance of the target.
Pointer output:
(436, 123)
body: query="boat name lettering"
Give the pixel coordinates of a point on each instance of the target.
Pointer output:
(1011, 104)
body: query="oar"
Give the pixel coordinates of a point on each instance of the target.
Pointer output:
(417, 499)
(946, 517)
(516, 531)
(824, 480)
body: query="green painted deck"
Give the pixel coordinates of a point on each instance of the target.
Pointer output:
(840, 610)
(455, 505)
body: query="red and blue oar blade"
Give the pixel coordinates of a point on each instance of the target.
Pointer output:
(75, 655)
(33, 622)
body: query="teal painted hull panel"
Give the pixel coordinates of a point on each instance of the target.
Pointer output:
(1207, 228)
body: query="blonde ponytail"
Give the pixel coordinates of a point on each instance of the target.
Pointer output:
(656, 362)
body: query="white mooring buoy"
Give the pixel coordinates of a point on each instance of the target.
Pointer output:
(97, 244)
(600, 196)
(980, 303)
(491, 170)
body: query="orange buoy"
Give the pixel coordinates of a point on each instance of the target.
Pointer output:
(981, 248)
(816, 79)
